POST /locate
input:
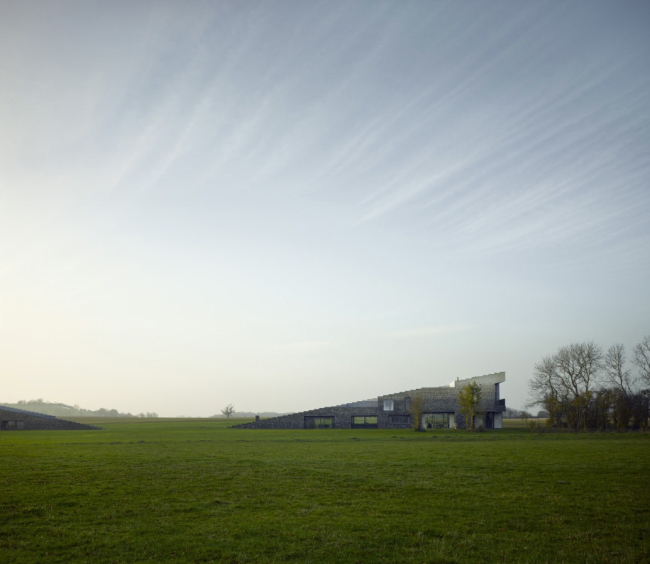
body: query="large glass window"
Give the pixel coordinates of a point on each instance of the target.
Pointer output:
(437, 420)
(389, 405)
(319, 422)
(12, 425)
(364, 422)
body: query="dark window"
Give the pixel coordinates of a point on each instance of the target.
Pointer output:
(399, 419)
(407, 403)
(364, 422)
(319, 422)
(12, 425)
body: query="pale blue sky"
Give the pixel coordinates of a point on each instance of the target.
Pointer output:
(285, 205)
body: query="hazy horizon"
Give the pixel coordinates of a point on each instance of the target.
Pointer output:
(285, 205)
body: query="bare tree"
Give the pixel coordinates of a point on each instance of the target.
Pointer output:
(545, 390)
(544, 383)
(577, 367)
(579, 386)
(641, 359)
(615, 371)
(564, 383)
(228, 410)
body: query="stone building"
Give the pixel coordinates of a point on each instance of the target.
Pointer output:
(12, 419)
(440, 410)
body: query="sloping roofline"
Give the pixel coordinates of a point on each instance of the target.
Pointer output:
(25, 412)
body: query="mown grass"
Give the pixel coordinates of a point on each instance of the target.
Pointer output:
(195, 491)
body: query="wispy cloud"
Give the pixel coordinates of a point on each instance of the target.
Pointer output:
(323, 162)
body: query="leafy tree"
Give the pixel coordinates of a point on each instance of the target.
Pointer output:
(640, 408)
(601, 411)
(469, 400)
(228, 410)
(415, 409)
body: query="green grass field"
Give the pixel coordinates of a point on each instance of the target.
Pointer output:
(157, 490)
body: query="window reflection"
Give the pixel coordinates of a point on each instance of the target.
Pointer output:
(319, 422)
(437, 420)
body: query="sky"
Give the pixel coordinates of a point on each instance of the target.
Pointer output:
(285, 205)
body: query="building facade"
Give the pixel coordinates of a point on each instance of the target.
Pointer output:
(12, 419)
(440, 410)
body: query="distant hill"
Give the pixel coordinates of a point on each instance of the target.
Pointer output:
(250, 414)
(63, 410)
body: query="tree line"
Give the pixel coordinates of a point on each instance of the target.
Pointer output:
(582, 386)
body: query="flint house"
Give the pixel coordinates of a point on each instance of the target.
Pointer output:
(440, 410)
(12, 419)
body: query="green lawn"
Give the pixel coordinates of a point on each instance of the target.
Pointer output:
(160, 490)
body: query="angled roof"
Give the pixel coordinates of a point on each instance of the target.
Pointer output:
(25, 412)
(487, 379)
(362, 403)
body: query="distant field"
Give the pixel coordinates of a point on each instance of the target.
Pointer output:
(192, 490)
(521, 423)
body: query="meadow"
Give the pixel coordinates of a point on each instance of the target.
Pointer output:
(192, 490)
